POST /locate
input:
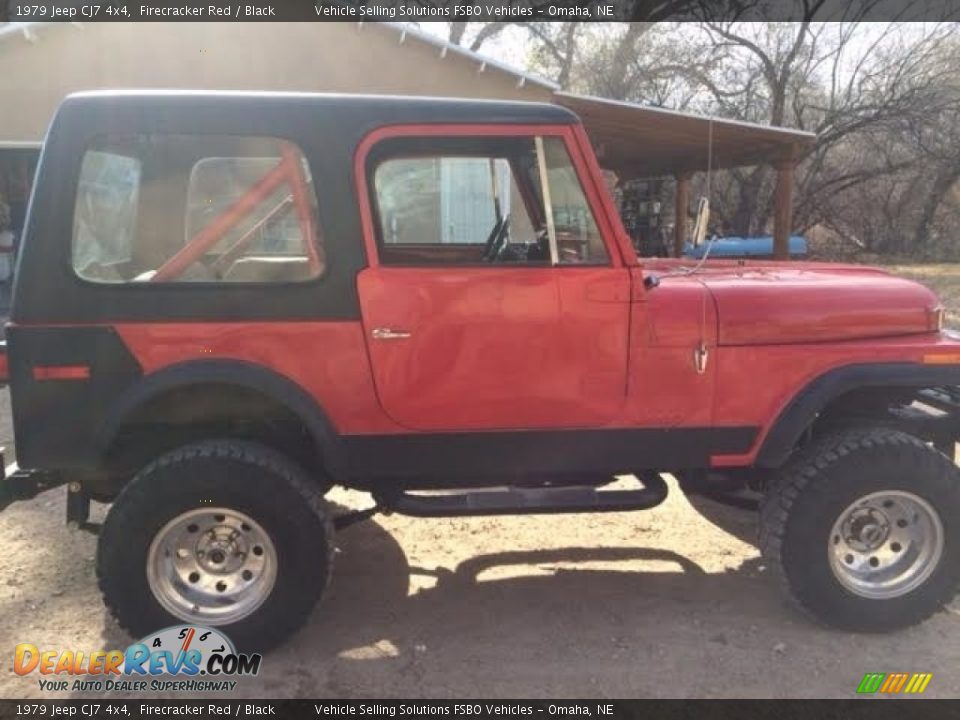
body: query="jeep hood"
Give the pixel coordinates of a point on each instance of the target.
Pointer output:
(777, 303)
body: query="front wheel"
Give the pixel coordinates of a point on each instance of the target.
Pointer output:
(863, 528)
(225, 533)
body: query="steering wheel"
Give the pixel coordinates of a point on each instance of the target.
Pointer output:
(539, 251)
(500, 241)
(488, 248)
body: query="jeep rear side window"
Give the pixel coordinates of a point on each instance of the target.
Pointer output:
(106, 211)
(472, 201)
(190, 208)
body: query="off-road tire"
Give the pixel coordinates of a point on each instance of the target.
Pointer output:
(813, 490)
(248, 477)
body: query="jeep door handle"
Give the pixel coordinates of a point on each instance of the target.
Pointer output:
(388, 334)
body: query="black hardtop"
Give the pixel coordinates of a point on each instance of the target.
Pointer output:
(327, 129)
(356, 110)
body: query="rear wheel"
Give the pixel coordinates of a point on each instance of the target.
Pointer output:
(863, 528)
(228, 534)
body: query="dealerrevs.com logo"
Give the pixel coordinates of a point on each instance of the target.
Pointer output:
(182, 658)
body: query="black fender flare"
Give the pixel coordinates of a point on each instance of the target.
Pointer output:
(803, 409)
(239, 373)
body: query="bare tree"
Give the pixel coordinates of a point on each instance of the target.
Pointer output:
(881, 97)
(660, 64)
(473, 35)
(937, 138)
(555, 49)
(835, 79)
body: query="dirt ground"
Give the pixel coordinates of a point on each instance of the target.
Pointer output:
(660, 603)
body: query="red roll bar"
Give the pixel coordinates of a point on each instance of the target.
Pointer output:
(289, 171)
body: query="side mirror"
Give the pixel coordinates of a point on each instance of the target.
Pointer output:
(703, 219)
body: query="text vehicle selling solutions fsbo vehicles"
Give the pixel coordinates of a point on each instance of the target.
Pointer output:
(226, 304)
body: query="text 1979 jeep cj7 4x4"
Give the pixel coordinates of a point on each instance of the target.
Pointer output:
(228, 303)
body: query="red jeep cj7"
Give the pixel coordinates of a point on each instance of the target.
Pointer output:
(228, 303)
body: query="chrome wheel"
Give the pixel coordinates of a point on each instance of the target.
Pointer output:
(213, 565)
(885, 544)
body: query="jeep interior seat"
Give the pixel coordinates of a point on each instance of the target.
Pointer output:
(269, 268)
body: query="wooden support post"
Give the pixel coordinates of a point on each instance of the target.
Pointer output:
(783, 210)
(680, 208)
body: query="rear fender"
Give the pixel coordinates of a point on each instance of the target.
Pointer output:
(228, 372)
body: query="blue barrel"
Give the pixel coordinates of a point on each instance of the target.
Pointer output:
(745, 247)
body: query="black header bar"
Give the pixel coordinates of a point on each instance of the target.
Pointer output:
(473, 10)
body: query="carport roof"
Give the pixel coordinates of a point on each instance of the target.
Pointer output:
(642, 141)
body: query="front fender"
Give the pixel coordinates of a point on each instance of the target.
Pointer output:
(806, 405)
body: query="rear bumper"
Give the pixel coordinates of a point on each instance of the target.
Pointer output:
(24, 484)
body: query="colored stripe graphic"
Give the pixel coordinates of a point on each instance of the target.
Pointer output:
(918, 683)
(894, 683)
(871, 682)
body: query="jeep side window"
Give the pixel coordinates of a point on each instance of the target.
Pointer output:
(474, 201)
(450, 210)
(195, 209)
(578, 238)
(106, 212)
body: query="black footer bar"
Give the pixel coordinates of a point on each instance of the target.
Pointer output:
(476, 709)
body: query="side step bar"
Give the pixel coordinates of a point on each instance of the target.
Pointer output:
(528, 501)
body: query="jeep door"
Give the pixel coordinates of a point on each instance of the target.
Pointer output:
(492, 299)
